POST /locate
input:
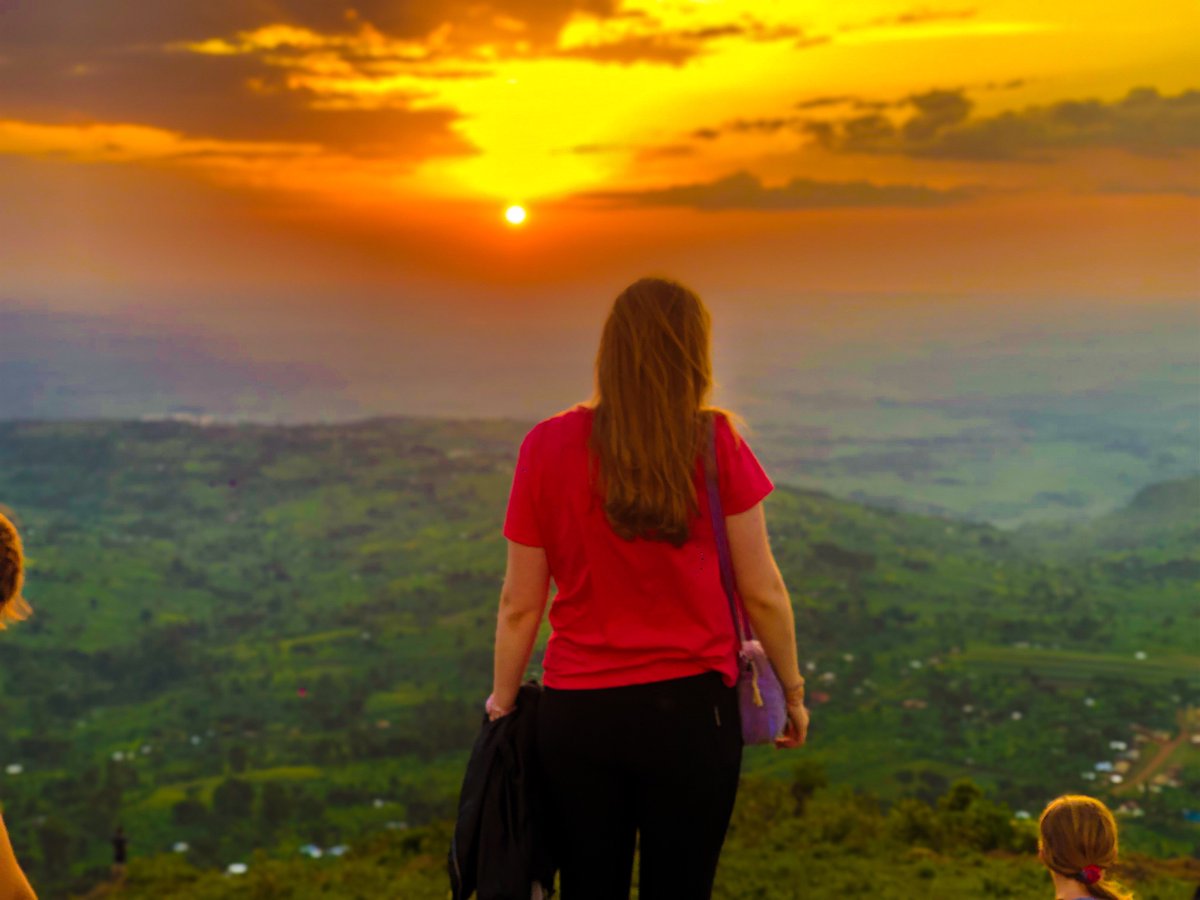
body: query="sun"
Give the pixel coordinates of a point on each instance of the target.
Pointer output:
(515, 215)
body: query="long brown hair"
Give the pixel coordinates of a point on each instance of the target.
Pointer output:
(13, 607)
(1074, 832)
(653, 381)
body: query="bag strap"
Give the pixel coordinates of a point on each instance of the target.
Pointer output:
(741, 623)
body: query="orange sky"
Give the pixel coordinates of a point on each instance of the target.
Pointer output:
(209, 163)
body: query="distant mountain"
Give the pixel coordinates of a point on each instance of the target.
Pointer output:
(1175, 501)
(56, 365)
(1160, 523)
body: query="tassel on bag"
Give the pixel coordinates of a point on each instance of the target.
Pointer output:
(758, 700)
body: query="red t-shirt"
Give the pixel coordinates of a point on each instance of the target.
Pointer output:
(626, 612)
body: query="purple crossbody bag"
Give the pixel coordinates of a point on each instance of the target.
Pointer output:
(760, 695)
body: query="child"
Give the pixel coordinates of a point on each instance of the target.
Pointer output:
(1077, 842)
(13, 885)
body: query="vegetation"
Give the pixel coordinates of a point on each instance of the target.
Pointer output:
(250, 639)
(839, 843)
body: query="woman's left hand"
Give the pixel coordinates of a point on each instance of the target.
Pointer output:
(796, 731)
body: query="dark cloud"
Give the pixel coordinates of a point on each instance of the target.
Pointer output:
(122, 61)
(222, 97)
(674, 47)
(917, 16)
(767, 125)
(140, 62)
(933, 112)
(641, 153)
(1175, 188)
(762, 125)
(711, 33)
(819, 102)
(109, 24)
(665, 151)
(921, 16)
(938, 125)
(665, 49)
(742, 190)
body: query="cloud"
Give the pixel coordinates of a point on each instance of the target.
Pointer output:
(229, 97)
(665, 49)
(922, 16)
(359, 80)
(106, 24)
(639, 152)
(128, 143)
(665, 151)
(267, 70)
(938, 125)
(761, 125)
(1153, 188)
(826, 100)
(743, 190)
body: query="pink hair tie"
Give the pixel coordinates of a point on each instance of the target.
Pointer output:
(1091, 874)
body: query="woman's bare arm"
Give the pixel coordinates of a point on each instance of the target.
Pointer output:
(522, 603)
(761, 587)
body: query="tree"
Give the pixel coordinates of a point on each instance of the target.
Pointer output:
(970, 819)
(188, 812)
(237, 758)
(233, 799)
(912, 822)
(807, 778)
(276, 805)
(55, 843)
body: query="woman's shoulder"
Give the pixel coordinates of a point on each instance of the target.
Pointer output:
(564, 425)
(728, 427)
(573, 417)
(576, 413)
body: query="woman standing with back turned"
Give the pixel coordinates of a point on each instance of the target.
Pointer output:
(638, 727)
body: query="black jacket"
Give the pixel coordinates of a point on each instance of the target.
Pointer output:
(498, 848)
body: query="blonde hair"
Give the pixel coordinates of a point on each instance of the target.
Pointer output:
(653, 380)
(1075, 832)
(13, 607)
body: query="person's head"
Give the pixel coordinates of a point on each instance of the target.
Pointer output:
(653, 381)
(13, 607)
(1077, 839)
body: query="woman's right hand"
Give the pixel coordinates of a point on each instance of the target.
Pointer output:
(796, 731)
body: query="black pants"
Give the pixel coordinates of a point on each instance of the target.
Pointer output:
(659, 761)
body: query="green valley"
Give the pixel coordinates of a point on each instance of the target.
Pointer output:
(251, 639)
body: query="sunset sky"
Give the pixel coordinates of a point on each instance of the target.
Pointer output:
(314, 182)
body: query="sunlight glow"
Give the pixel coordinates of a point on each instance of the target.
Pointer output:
(515, 215)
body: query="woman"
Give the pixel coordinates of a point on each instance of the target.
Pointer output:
(13, 885)
(638, 728)
(1077, 843)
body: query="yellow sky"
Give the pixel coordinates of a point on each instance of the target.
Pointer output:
(404, 130)
(529, 113)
